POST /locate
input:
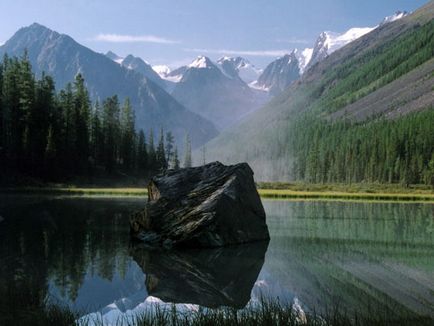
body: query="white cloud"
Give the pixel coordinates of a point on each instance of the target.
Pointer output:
(253, 53)
(294, 40)
(122, 38)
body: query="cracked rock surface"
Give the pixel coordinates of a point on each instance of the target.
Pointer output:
(209, 206)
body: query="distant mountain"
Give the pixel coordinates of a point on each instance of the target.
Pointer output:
(239, 67)
(113, 56)
(161, 70)
(206, 89)
(395, 16)
(61, 57)
(139, 65)
(329, 42)
(279, 74)
(382, 77)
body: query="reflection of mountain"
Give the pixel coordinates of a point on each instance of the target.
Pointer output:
(210, 278)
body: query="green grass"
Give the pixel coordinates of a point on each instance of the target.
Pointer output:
(267, 312)
(364, 192)
(76, 191)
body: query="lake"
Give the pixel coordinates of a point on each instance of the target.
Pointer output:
(364, 257)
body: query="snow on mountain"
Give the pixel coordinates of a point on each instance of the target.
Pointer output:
(162, 70)
(113, 56)
(334, 41)
(396, 16)
(201, 62)
(279, 74)
(239, 67)
(303, 57)
(329, 42)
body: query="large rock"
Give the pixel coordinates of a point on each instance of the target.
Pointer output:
(209, 206)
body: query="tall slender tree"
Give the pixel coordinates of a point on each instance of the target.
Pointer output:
(187, 158)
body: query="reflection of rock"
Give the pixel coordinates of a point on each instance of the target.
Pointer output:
(208, 277)
(209, 206)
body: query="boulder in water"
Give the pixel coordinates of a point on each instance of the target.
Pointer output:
(209, 206)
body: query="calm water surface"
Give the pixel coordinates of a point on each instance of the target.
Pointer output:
(363, 256)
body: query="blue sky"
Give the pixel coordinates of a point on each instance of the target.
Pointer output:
(174, 32)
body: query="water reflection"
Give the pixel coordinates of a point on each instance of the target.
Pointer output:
(208, 277)
(77, 251)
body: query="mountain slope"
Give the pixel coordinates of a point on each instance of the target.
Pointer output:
(386, 73)
(61, 57)
(219, 97)
(279, 74)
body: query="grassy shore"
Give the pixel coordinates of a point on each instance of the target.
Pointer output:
(365, 192)
(267, 312)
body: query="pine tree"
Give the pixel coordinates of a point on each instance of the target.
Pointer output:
(169, 147)
(50, 151)
(111, 132)
(175, 160)
(152, 159)
(187, 160)
(127, 135)
(161, 153)
(82, 117)
(96, 136)
(142, 153)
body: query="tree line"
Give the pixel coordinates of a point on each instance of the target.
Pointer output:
(52, 135)
(385, 151)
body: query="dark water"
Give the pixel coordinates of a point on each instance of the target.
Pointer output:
(362, 256)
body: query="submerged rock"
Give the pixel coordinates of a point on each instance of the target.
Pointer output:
(208, 277)
(209, 206)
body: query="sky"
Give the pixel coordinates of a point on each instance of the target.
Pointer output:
(174, 32)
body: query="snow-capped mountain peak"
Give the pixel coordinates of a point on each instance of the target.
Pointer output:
(334, 41)
(304, 57)
(162, 70)
(397, 15)
(201, 62)
(114, 57)
(239, 67)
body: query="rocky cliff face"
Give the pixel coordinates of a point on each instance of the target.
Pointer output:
(209, 206)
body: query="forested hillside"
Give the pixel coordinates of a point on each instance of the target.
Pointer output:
(364, 114)
(56, 135)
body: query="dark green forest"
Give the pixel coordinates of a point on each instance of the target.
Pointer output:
(385, 151)
(58, 135)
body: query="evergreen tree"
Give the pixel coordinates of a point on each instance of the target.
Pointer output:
(152, 159)
(187, 159)
(111, 132)
(142, 153)
(175, 160)
(169, 147)
(82, 117)
(127, 135)
(161, 153)
(96, 135)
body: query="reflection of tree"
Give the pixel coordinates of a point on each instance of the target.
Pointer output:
(379, 222)
(63, 240)
(346, 252)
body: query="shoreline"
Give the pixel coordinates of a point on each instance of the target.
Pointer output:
(410, 196)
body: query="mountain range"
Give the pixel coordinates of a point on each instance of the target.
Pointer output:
(386, 74)
(279, 74)
(63, 58)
